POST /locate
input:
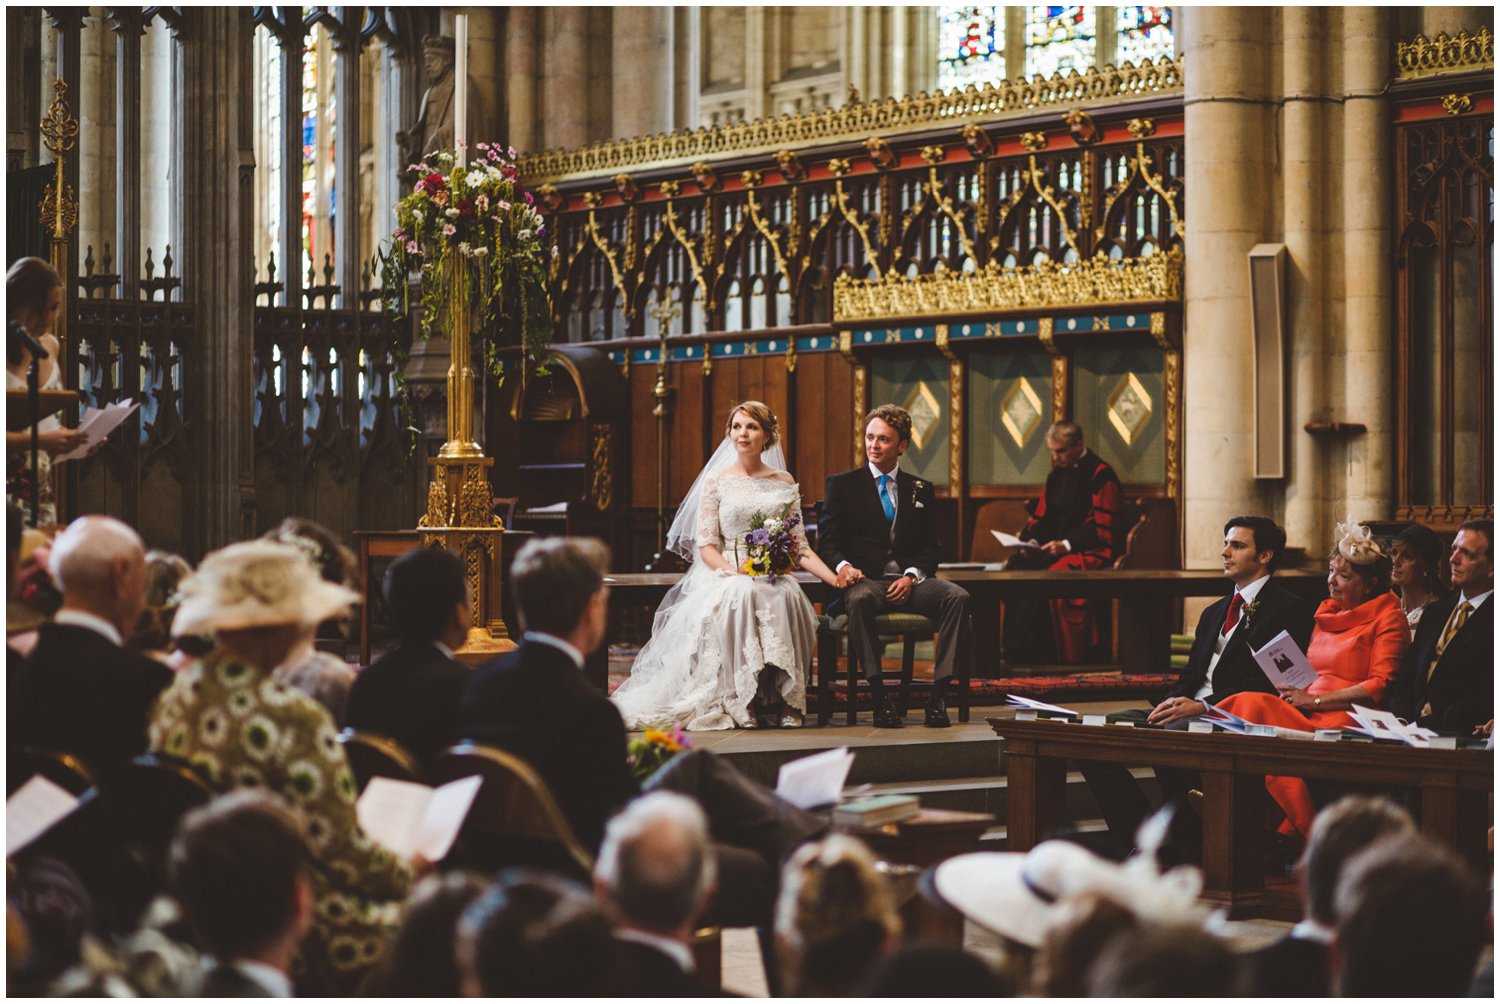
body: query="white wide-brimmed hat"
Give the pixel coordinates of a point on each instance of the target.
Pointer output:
(1019, 895)
(258, 583)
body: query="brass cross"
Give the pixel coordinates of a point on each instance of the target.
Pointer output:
(666, 311)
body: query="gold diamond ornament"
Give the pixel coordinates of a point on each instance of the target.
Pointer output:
(1021, 411)
(922, 405)
(1129, 408)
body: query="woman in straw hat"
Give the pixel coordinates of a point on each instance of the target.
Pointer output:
(239, 727)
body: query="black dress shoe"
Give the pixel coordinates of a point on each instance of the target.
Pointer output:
(886, 716)
(937, 712)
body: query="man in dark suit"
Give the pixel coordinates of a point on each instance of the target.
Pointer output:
(1220, 663)
(1446, 682)
(411, 693)
(1298, 965)
(240, 868)
(653, 880)
(81, 691)
(878, 532)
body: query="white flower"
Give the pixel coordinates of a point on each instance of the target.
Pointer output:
(475, 178)
(554, 251)
(481, 252)
(452, 214)
(493, 171)
(449, 230)
(524, 235)
(416, 214)
(464, 249)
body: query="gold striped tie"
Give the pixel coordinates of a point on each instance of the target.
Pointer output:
(1456, 621)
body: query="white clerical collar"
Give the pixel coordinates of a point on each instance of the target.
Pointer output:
(1475, 602)
(447, 652)
(1252, 590)
(675, 950)
(557, 643)
(89, 622)
(877, 473)
(1308, 929)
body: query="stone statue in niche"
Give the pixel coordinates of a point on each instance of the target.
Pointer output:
(433, 129)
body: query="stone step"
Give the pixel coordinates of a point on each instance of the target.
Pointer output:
(988, 793)
(883, 761)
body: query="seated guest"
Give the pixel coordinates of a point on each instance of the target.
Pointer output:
(420, 961)
(1080, 928)
(1298, 964)
(81, 691)
(1359, 637)
(653, 879)
(1219, 665)
(153, 632)
(934, 971)
(230, 719)
(1412, 922)
(411, 693)
(323, 676)
(534, 935)
(1447, 681)
(49, 915)
(1418, 572)
(1074, 524)
(1165, 960)
(239, 867)
(835, 918)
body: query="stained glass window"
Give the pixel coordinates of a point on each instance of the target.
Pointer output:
(1059, 39)
(971, 44)
(1143, 33)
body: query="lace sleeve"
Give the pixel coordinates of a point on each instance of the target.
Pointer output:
(708, 514)
(799, 532)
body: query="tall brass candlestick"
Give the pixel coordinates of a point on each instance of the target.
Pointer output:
(665, 312)
(460, 444)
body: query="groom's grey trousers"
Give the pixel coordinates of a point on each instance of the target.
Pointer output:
(934, 598)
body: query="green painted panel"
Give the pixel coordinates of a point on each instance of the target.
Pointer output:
(1010, 408)
(1119, 398)
(920, 385)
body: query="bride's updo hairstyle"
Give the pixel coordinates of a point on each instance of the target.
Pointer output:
(762, 414)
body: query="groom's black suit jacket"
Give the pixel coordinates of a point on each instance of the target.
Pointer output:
(853, 526)
(1276, 610)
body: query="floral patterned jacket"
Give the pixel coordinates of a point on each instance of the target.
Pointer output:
(242, 729)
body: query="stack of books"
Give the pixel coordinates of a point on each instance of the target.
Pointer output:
(876, 811)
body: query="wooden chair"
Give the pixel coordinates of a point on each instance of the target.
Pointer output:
(1008, 515)
(373, 755)
(910, 628)
(514, 819)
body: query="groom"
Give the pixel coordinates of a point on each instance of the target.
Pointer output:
(879, 535)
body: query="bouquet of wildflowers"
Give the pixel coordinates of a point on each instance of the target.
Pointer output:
(771, 547)
(654, 749)
(471, 231)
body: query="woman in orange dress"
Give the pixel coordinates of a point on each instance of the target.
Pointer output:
(1359, 636)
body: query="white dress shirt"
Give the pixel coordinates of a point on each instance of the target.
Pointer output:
(562, 646)
(1247, 594)
(90, 622)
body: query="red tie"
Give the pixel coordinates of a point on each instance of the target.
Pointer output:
(1233, 617)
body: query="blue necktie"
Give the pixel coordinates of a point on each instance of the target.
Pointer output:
(885, 499)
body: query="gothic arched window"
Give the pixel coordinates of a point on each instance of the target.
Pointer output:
(1059, 39)
(1143, 33)
(971, 46)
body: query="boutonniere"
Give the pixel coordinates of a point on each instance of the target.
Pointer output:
(916, 486)
(1247, 612)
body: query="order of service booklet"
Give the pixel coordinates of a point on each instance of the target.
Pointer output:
(1284, 663)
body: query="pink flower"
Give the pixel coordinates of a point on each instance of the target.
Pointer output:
(503, 206)
(527, 196)
(449, 230)
(411, 247)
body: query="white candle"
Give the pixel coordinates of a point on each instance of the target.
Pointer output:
(461, 86)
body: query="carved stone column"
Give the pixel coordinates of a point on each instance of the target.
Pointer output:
(565, 89)
(643, 53)
(218, 249)
(521, 40)
(1307, 119)
(1229, 152)
(1367, 194)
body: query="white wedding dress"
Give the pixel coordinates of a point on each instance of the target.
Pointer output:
(710, 641)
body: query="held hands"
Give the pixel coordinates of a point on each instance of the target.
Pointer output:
(1174, 709)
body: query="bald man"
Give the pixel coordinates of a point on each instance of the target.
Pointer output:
(81, 691)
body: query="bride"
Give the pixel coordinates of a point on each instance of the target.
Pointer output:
(729, 649)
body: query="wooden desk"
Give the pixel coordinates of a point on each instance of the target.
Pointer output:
(1454, 784)
(1146, 597)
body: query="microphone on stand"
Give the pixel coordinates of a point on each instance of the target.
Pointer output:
(17, 330)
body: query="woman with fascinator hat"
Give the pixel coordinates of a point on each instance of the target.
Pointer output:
(730, 649)
(1359, 636)
(239, 727)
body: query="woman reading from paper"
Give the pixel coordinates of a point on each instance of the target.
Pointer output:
(1359, 635)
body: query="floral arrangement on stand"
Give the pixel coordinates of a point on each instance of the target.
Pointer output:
(655, 749)
(771, 547)
(474, 218)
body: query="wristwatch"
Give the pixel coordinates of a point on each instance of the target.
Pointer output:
(911, 576)
(1317, 702)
